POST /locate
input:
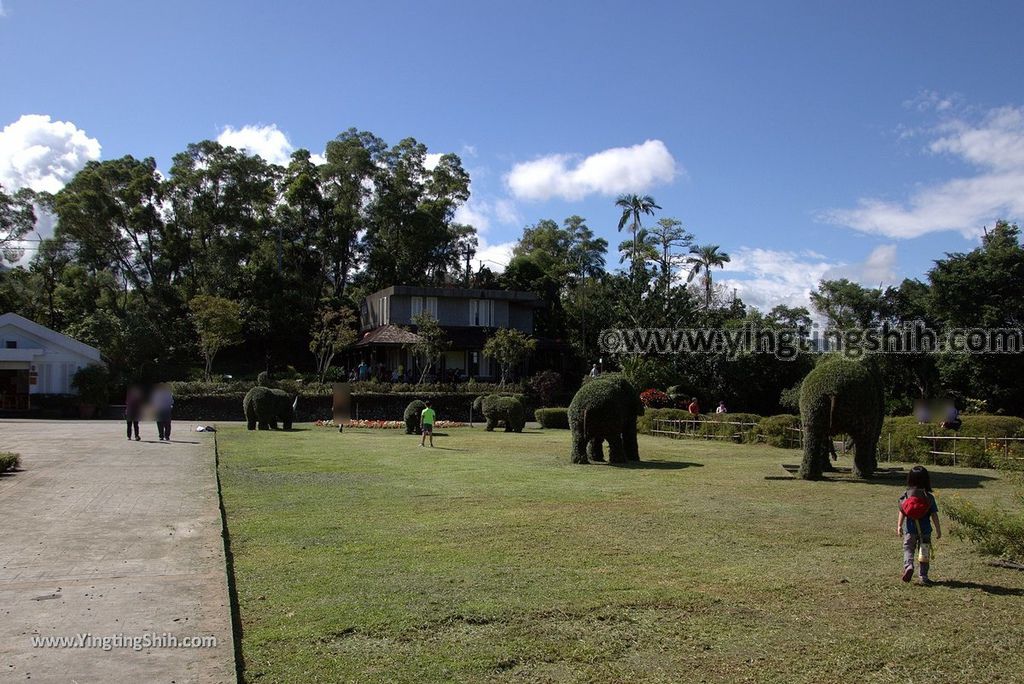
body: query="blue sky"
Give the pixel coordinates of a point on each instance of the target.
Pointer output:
(808, 139)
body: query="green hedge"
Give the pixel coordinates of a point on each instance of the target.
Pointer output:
(195, 388)
(645, 422)
(553, 418)
(777, 431)
(9, 462)
(901, 436)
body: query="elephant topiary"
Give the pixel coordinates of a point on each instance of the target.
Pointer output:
(605, 408)
(412, 416)
(505, 409)
(264, 407)
(841, 396)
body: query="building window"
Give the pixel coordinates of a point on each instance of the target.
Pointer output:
(385, 310)
(424, 304)
(481, 312)
(12, 344)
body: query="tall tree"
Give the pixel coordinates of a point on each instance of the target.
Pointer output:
(701, 260)
(348, 174)
(111, 210)
(633, 207)
(667, 236)
(17, 218)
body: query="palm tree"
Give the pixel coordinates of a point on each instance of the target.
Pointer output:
(633, 206)
(702, 259)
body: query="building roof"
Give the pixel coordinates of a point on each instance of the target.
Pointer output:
(461, 293)
(388, 335)
(48, 335)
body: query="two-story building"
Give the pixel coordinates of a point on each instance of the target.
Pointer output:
(468, 317)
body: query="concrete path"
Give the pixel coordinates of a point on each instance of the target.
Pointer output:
(106, 537)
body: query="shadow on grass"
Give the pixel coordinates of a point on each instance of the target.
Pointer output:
(987, 588)
(656, 465)
(896, 478)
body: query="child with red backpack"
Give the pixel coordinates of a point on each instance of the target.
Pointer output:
(918, 514)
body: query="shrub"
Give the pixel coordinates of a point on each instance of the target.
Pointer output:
(553, 418)
(498, 408)
(645, 422)
(9, 462)
(777, 431)
(720, 425)
(900, 439)
(92, 384)
(412, 416)
(605, 410)
(995, 531)
(546, 387)
(655, 398)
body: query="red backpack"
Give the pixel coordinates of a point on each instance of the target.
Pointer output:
(916, 505)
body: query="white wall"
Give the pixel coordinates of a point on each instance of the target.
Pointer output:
(54, 367)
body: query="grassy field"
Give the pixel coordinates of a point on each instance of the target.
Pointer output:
(362, 557)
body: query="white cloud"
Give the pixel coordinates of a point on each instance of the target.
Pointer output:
(268, 142)
(609, 172)
(474, 214)
(994, 146)
(483, 213)
(878, 269)
(3, 13)
(39, 153)
(769, 277)
(318, 159)
(494, 257)
(431, 160)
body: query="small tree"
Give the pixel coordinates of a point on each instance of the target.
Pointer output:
(219, 324)
(334, 329)
(433, 341)
(92, 383)
(508, 348)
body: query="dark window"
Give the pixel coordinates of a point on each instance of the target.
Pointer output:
(12, 344)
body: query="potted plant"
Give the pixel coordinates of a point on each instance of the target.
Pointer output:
(92, 384)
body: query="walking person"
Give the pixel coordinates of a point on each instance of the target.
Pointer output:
(163, 402)
(919, 514)
(133, 410)
(427, 416)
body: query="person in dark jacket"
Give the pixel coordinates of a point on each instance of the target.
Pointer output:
(133, 410)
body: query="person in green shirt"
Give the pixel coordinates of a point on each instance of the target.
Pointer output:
(427, 424)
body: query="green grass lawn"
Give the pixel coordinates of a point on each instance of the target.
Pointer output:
(362, 557)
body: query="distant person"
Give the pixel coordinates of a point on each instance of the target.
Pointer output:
(364, 371)
(921, 412)
(694, 408)
(918, 514)
(952, 420)
(721, 408)
(595, 371)
(427, 424)
(401, 372)
(133, 410)
(163, 402)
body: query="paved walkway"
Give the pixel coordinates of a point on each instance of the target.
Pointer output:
(103, 536)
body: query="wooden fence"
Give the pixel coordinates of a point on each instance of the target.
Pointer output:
(953, 439)
(691, 427)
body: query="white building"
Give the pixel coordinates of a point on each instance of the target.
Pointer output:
(37, 360)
